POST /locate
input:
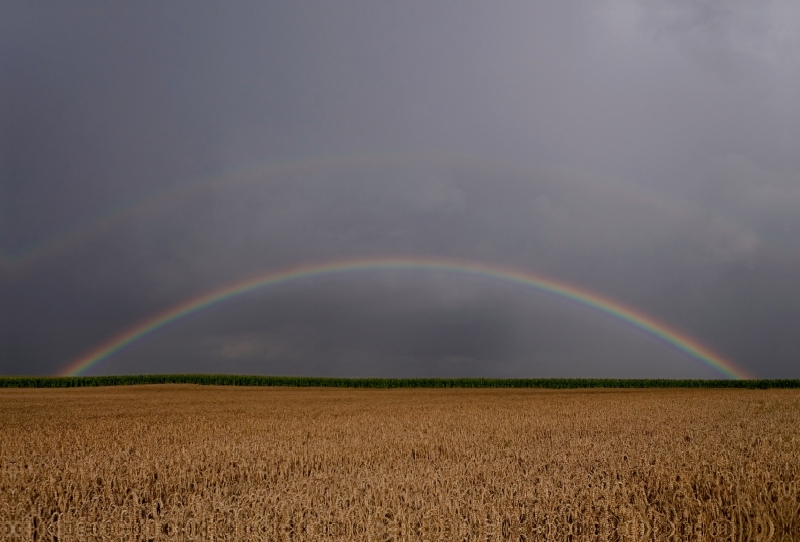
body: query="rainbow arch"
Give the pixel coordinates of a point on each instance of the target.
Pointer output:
(584, 297)
(16, 264)
(31, 255)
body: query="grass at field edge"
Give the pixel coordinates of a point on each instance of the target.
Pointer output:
(382, 383)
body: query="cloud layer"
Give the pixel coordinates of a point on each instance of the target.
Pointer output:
(644, 151)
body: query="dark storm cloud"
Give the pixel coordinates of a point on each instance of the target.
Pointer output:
(645, 151)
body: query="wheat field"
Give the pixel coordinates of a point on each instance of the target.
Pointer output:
(184, 462)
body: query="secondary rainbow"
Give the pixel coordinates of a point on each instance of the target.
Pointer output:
(15, 264)
(562, 289)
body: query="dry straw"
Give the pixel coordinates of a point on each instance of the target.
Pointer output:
(247, 464)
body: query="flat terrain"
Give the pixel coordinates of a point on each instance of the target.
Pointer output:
(184, 462)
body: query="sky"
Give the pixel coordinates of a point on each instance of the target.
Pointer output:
(644, 151)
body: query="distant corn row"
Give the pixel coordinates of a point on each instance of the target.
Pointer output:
(182, 463)
(384, 383)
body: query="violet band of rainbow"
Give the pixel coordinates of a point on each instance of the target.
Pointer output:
(584, 297)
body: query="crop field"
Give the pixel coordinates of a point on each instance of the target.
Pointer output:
(188, 462)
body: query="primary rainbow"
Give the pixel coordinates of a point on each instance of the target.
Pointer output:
(582, 296)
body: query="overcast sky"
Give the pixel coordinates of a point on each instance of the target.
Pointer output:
(648, 151)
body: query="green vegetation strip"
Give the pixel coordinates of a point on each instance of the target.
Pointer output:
(310, 381)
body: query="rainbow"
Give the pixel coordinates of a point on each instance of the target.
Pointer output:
(582, 296)
(30, 256)
(15, 264)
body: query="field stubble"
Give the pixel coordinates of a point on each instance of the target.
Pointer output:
(183, 462)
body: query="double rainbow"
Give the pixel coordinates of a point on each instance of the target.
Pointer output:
(579, 295)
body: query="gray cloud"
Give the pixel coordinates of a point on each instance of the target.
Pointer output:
(646, 151)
